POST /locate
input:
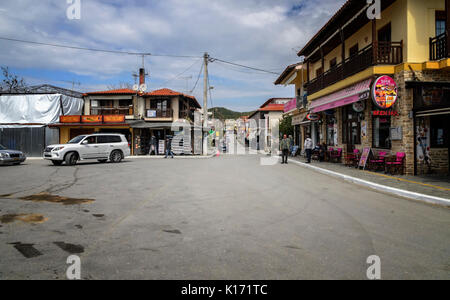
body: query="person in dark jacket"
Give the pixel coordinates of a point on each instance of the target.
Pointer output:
(285, 144)
(169, 148)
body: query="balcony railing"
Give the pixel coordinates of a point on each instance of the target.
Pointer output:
(379, 53)
(128, 111)
(159, 113)
(438, 47)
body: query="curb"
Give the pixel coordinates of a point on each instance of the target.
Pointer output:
(378, 187)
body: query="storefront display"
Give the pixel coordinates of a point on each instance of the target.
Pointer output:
(381, 132)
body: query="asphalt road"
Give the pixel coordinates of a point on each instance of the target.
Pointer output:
(219, 218)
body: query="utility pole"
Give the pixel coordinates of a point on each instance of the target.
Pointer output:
(205, 104)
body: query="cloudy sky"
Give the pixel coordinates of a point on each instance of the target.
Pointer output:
(261, 33)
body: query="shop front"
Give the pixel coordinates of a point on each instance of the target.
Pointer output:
(432, 127)
(73, 126)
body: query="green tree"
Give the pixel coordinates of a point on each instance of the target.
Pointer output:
(286, 126)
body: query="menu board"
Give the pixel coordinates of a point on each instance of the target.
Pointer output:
(364, 157)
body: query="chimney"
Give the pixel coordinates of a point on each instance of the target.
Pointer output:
(141, 76)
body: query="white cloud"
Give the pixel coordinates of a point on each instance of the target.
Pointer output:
(258, 33)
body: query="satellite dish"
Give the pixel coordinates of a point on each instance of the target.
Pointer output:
(143, 88)
(136, 87)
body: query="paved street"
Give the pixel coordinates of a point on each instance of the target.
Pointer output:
(219, 218)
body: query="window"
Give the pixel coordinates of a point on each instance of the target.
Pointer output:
(160, 105)
(381, 132)
(439, 132)
(91, 140)
(319, 72)
(125, 103)
(351, 129)
(385, 33)
(333, 63)
(331, 133)
(354, 50)
(440, 22)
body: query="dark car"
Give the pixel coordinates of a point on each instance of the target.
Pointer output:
(11, 157)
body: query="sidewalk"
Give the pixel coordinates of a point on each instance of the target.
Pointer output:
(433, 186)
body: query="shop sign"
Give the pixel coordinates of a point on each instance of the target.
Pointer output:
(91, 119)
(290, 106)
(298, 119)
(385, 113)
(396, 133)
(69, 119)
(313, 117)
(151, 113)
(359, 106)
(114, 118)
(384, 92)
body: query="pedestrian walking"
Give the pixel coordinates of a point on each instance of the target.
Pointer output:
(285, 143)
(308, 148)
(169, 148)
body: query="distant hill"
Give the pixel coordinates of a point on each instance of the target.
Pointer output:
(223, 113)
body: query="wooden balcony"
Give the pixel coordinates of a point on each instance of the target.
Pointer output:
(439, 47)
(160, 113)
(379, 53)
(127, 111)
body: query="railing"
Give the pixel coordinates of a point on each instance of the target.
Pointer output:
(186, 114)
(128, 111)
(380, 53)
(160, 113)
(438, 47)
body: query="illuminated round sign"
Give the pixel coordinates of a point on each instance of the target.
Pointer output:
(384, 92)
(359, 106)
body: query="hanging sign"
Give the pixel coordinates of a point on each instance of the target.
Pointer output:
(384, 92)
(313, 117)
(359, 106)
(92, 119)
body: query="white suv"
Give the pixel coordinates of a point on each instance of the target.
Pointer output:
(101, 147)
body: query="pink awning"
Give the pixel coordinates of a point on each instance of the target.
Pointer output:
(341, 98)
(291, 105)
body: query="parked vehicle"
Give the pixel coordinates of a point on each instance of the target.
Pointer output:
(100, 147)
(11, 157)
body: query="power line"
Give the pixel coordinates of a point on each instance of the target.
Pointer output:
(94, 49)
(175, 77)
(198, 79)
(243, 66)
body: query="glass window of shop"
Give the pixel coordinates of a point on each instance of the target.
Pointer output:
(331, 122)
(439, 131)
(351, 129)
(381, 132)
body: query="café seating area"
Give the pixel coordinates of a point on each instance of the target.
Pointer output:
(377, 161)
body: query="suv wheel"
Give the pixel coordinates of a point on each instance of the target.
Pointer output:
(57, 162)
(116, 156)
(71, 159)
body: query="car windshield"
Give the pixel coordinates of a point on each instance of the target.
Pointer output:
(77, 139)
(2, 147)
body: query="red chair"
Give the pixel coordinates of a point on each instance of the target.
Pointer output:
(396, 165)
(352, 159)
(336, 156)
(378, 163)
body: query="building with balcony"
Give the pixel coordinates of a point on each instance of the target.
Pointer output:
(145, 118)
(408, 43)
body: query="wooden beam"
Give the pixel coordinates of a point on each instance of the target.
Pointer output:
(374, 41)
(447, 25)
(343, 51)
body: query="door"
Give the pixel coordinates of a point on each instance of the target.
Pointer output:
(104, 146)
(91, 149)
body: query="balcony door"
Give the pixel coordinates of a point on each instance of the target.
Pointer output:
(384, 43)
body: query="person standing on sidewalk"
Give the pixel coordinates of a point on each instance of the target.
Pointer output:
(308, 148)
(285, 143)
(169, 148)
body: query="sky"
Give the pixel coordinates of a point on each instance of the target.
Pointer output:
(265, 34)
